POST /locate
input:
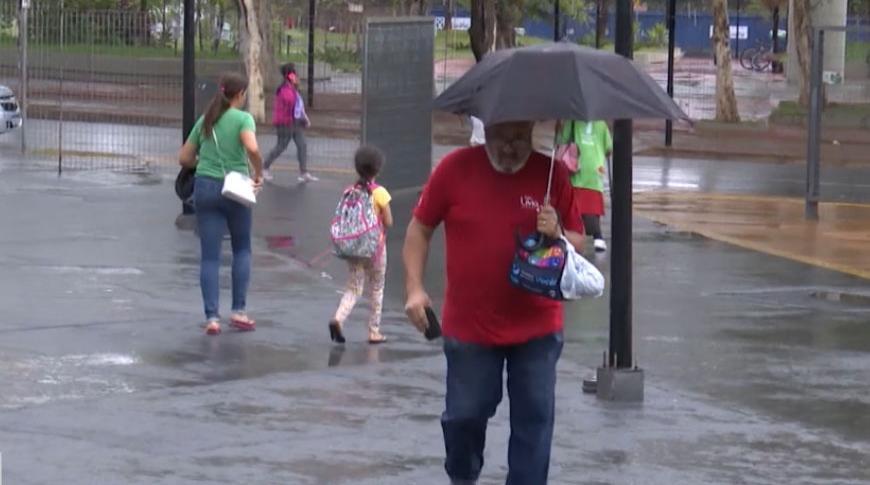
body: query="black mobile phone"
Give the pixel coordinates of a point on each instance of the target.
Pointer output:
(433, 329)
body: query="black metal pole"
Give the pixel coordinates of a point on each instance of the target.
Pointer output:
(672, 38)
(556, 14)
(597, 24)
(621, 259)
(311, 12)
(189, 71)
(60, 96)
(23, 88)
(188, 117)
(815, 126)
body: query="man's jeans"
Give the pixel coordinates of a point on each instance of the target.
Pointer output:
(474, 390)
(215, 214)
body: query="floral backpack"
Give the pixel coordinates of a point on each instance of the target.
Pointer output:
(356, 230)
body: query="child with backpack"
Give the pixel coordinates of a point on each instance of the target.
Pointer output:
(359, 234)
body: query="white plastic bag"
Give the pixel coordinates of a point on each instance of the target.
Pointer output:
(580, 278)
(240, 188)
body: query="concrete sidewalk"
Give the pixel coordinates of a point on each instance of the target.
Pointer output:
(773, 225)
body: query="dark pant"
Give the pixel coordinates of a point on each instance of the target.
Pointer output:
(214, 215)
(592, 224)
(474, 391)
(295, 132)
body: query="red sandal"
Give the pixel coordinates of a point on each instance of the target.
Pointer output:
(242, 323)
(213, 327)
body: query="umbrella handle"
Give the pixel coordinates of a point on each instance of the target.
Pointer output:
(552, 166)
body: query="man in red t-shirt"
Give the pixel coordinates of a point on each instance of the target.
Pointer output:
(485, 196)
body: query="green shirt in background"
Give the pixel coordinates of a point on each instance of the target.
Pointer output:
(229, 150)
(594, 141)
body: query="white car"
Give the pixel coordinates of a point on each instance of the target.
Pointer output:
(10, 113)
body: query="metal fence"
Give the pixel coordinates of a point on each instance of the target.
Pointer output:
(104, 88)
(98, 93)
(838, 115)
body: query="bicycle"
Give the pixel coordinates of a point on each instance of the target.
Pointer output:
(748, 54)
(762, 60)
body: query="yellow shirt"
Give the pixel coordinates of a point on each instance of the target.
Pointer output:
(381, 198)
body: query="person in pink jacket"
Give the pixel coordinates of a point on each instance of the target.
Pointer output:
(290, 120)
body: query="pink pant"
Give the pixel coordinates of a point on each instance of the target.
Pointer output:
(371, 273)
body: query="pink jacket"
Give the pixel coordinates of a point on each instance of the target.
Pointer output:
(285, 103)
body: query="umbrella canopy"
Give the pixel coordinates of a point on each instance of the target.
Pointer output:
(556, 81)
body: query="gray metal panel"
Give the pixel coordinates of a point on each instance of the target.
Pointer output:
(397, 91)
(205, 91)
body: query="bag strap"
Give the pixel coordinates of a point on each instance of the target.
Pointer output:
(218, 146)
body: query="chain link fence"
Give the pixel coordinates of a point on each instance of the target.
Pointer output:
(104, 88)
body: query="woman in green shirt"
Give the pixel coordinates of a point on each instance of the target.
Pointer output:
(595, 145)
(223, 140)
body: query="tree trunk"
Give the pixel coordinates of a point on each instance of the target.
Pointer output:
(252, 47)
(602, 20)
(145, 22)
(422, 7)
(164, 31)
(726, 101)
(219, 28)
(506, 20)
(199, 24)
(803, 31)
(448, 16)
(481, 34)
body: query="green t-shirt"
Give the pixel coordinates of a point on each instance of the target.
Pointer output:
(594, 141)
(228, 150)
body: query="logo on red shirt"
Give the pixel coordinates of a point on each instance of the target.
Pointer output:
(529, 202)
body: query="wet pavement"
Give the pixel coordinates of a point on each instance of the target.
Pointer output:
(752, 377)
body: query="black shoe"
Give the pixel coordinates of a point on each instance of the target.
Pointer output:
(335, 332)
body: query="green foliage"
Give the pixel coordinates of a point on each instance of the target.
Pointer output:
(857, 51)
(543, 9)
(341, 59)
(656, 36)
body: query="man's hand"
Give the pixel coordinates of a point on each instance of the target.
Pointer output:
(548, 222)
(415, 309)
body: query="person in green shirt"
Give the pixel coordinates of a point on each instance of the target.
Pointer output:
(595, 145)
(223, 140)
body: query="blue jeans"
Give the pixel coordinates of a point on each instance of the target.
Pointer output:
(214, 215)
(474, 390)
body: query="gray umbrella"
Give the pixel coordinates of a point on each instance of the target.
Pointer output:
(556, 81)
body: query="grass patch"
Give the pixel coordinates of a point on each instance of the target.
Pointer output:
(835, 114)
(857, 51)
